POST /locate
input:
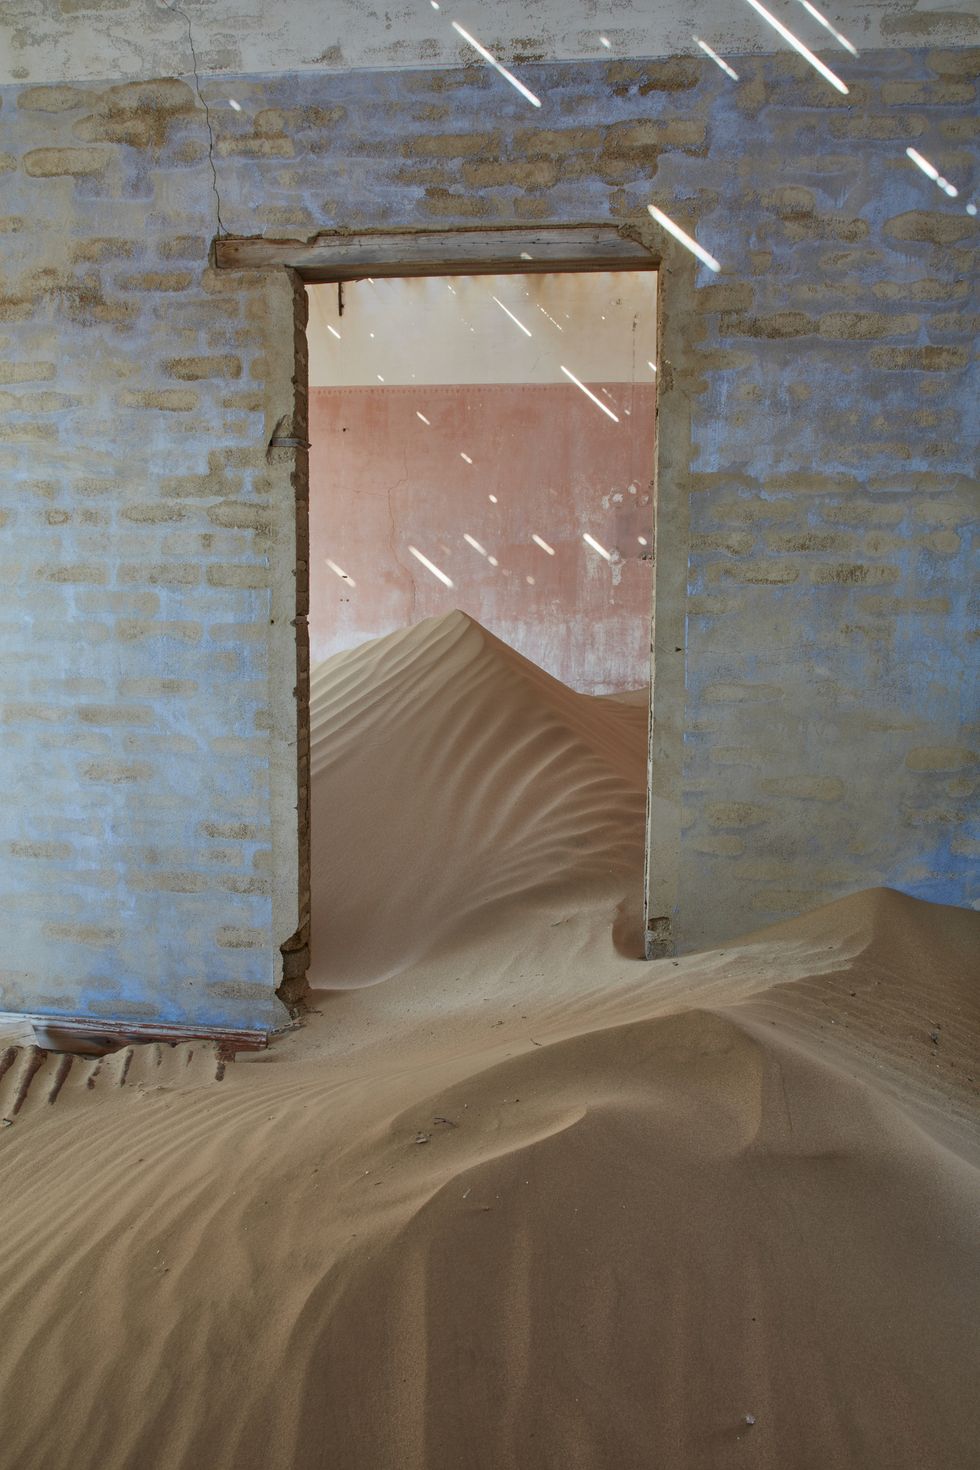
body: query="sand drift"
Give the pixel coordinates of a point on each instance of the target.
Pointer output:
(511, 1199)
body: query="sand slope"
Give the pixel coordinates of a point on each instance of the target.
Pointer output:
(450, 775)
(523, 1203)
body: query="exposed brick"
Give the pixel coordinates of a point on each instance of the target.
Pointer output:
(191, 369)
(862, 325)
(538, 173)
(942, 543)
(940, 758)
(170, 400)
(736, 814)
(556, 142)
(809, 541)
(42, 851)
(26, 372)
(900, 125)
(854, 574)
(78, 572)
(50, 163)
(779, 324)
(255, 147)
(241, 575)
(930, 226)
(53, 99)
(156, 513)
(115, 714)
(97, 935)
(116, 773)
(919, 359)
(453, 145)
(926, 94)
(166, 574)
(762, 572)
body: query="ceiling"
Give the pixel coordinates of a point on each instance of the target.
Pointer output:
(44, 41)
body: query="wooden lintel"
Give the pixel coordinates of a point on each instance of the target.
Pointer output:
(465, 251)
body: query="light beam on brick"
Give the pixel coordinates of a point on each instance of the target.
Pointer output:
(488, 56)
(686, 240)
(798, 45)
(931, 172)
(540, 541)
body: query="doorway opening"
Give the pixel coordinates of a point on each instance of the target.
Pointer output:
(485, 443)
(481, 513)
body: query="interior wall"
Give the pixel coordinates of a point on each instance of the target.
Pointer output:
(148, 549)
(442, 426)
(86, 40)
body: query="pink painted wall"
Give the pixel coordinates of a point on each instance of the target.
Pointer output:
(545, 461)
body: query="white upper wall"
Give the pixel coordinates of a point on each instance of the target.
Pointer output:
(97, 40)
(485, 329)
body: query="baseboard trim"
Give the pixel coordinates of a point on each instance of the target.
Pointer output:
(84, 1034)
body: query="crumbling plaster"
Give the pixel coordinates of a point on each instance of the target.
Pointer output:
(148, 545)
(90, 40)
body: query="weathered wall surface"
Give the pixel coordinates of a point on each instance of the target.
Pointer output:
(439, 422)
(148, 829)
(381, 482)
(149, 833)
(85, 40)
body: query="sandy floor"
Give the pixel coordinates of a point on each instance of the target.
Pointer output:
(511, 1199)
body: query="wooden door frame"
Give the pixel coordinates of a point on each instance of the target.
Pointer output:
(337, 256)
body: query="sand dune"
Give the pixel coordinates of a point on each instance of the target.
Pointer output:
(509, 1198)
(486, 781)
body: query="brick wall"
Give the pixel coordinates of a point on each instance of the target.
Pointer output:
(150, 845)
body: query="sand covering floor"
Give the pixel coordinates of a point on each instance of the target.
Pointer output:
(511, 1197)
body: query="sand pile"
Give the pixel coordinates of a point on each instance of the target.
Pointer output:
(522, 1203)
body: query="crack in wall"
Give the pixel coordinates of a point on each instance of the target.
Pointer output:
(207, 112)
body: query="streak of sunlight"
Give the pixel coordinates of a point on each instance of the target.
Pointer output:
(540, 541)
(333, 331)
(339, 572)
(931, 172)
(488, 56)
(716, 58)
(822, 19)
(472, 541)
(422, 416)
(589, 394)
(465, 456)
(684, 238)
(798, 45)
(513, 318)
(430, 566)
(591, 541)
